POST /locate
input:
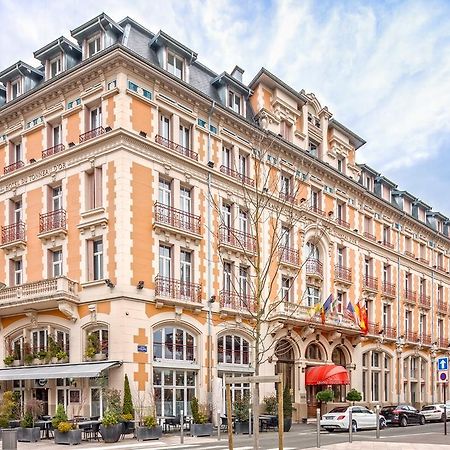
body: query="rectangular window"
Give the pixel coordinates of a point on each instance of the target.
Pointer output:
(375, 386)
(94, 195)
(164, 126)
(243, 164)
(165, 192)
(18, 271)
(243, 281)
(286, 284)
(408, 321)
(16, 211)
(226, 214)
(185, 137)
(340, 302)
(15, 88)
(386, 316)
(408, 245)
(234, 101)
(95, 115)
(165, 261)
(185, 200)
(286, 130)
(386, 235)
(312, 296)
(56, 263)
(186, 272)
(55, 67)
(313, 149)
(94, 46)
(226, 157)
(285, 187)
(341, 165)
(227, 276)
(243, 221)
(386, 273)
(422, 325)
(56, 135)
(57, 200)
(341, 256)
(98, 259)
(285, 240)
(175, 65)
(16, 154)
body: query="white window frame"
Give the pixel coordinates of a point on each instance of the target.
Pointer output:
(57, 263)
(59, 68)
(234, 101)
(18, 271)
(172, 67)
(16, 83)
(98, 259)
(97, 39)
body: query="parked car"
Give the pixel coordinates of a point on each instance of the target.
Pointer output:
(402, 415)
(435, 412)
(362, 417)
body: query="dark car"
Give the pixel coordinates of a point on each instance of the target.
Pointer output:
(402, 415)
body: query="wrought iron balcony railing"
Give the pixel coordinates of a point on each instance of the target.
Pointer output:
(176, 147)
(314, 267)
(239, 176)
(177, 289)
(289, 255)
(14, 232)
(389, 289)
(54, 220)
(13, 167)
(177, 218)
(91, 134)
(236, 238)
(53, 150)
(343, 273)
(370, 282)
(236, 301)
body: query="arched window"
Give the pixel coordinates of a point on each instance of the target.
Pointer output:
(338, 357)
(314, 352)
(233, 349)
(376, 382)
(312, 251)
(97, 343)
(173, 343)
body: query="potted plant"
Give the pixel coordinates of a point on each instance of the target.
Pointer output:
(9, 360)
(271, 404)
(60, 416)
(241, 410)
(149, 429)
(287, 409)
(7, 409)
(127, 408)
(62, 357)
(27, 431)
(324, 397)
(65, 433)
(354, 396)
(200, 426)
(111, 428)
(93, 346)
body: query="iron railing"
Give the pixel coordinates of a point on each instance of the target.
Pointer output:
(239, 176)
(177, 218)
(12, 167)
(176, 147)
(424, 301)
(236, 238)
(314, 267)
(410, 296)
(289, 255)
(287, 197)
(389, 289)
(53, 150)
(369, 236)
(177, 289)
(370, 282)
(343, 273)
(342, 222)
(91, 134)
(236, 301)
(13, 232)
(54, 220)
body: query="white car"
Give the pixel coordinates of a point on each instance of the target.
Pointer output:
(435, 412)
(362, 417)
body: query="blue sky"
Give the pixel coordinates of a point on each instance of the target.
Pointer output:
(381, 67)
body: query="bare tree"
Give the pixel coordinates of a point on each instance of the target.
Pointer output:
(271, 204)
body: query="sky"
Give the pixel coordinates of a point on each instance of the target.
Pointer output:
(381, 67)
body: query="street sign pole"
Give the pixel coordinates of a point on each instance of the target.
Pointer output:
(444, 386)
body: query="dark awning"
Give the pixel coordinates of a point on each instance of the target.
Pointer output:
(51, 371)
(329, 374)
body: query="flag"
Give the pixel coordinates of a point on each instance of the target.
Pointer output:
(350, 311)
(361, 315)
(325, 307)
(313, 310)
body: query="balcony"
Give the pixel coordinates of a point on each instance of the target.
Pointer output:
(53, 150)
(176, 147)
(412, 337)
(424, 301)
(317, 210)
(177, 220)
(314, 269)
(443, 343)
(237, 302)
(299, 315)
(388, 244)
(369, 236)
(342, 223)
(370, 283)
(43, 294)
(289, 256)
(425, 339)
(442, 307)
(410, 254)
(424, 261)
(239, 240)
(53, 224)
(388, 290)
(237, 175)
(373, 328)
(13, 235)
(441, 268)
(13, 167)
(54, 353)
(169, 291)
(343, 274)
(288, 198)
(390, 332)
(91, 134)
(410, 297)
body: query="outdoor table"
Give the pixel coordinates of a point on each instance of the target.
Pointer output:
(44, 425)
(84, 425)
(267, 421)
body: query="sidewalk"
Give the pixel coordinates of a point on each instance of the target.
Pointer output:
(368, 445)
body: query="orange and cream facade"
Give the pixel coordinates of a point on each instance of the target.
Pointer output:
(123, 163)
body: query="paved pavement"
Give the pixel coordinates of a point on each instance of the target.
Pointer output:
(301, 436)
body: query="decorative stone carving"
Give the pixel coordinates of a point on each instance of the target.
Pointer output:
(68, 310)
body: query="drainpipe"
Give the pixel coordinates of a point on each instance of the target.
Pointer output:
(209, 256)
(399, 358)
(433, 355)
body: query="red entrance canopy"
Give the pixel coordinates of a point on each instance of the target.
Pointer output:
(329, 374)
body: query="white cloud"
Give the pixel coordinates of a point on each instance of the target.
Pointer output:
(383, 68)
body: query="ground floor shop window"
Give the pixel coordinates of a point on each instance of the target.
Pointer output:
(19, 393)
(96, 396)
(173, 390)
(376, 376)
(62, 392)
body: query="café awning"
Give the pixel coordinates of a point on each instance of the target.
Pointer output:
(327, 375)
(51, 371)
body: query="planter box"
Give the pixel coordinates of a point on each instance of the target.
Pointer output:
(111, 434)
(201, 429)
(241, 427)
(72, 437)
(99, 357)
(29, 434)
(287, 424)
(147, 434)
(17, 363)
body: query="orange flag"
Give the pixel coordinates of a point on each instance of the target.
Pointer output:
(361, 315)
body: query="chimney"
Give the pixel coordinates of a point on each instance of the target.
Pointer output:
(237, 73)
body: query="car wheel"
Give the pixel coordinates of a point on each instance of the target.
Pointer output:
(422, 420)
(354, 426)
(403, 421)
(331, 430)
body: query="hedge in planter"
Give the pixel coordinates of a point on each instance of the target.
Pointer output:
(27, 431)
(287, 409)
(241, 407)
(66, 434)
(200, 425)
(149, 431)
(111, 428)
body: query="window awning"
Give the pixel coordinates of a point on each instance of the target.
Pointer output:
(324, 375)
(51, 371)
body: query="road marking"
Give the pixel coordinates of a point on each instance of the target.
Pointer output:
(152, 445)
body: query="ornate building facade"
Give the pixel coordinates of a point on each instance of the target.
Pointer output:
(126, 234)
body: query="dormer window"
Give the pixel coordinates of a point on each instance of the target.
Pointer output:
(15, 89)
(93, 46)
(55, 67)
(175, 65)
(234, 102)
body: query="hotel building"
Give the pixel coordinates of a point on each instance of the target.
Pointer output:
(124, 165)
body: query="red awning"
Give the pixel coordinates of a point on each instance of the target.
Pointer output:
(329, 374)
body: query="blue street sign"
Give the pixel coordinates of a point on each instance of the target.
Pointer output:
(442, 376)
(142, 348)
(442, 363)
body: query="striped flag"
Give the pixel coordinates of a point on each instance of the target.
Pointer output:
(361, 315)
(350, 311)
(325, 307)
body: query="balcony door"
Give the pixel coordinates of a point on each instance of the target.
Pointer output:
(186, 273)
(96, 118)
(57, 200)
(164, 127)
(243, 285)
(165, 261)
(186, 207)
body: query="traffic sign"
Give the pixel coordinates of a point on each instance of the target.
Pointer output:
(443, 376)
(442, 363)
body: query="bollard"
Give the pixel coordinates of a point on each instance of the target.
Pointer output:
(249, 421)
(219, 422)
(182, 427)
(318, 427)
(377, 414)
(350, 425)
